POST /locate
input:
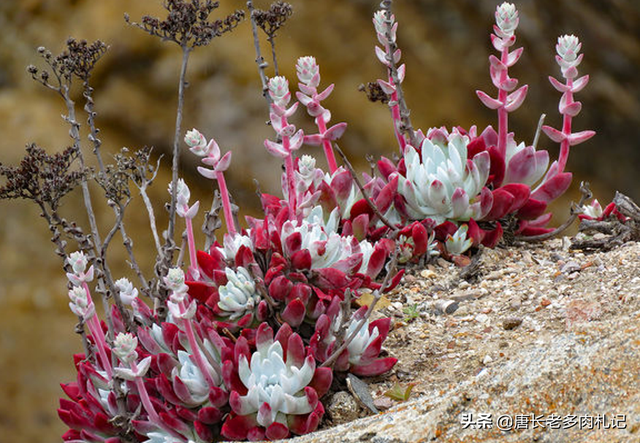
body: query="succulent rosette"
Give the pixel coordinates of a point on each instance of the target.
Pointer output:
(440, 183)
(276, 389)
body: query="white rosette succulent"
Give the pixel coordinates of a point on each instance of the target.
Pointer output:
(239, 296)
(441, 183)
(275, 381)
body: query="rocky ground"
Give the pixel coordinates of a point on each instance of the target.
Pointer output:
(541, 331)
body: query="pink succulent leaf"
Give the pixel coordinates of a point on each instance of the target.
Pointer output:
(308, 90)
(488, 101)
(335, 132)
(296, 141)
(295, 347)
(402, 70)
(580, 137)
(553, 187)
(571, 72)
(509, 84)
(224, 163)
(326, 93)
(514, 57)
(313, 140)
(520, 194)
(276, 431)
(497, 42)
(213, 151)
(382, 56)
(496, 63)
(387, 87)
(292, 110)
(515, 99)
(303, 98)
(571, 110)
(560, 87)
(322, 379)
(397, 55)
(192, 211)
(349, 264)
(275, 149)
(206, 172)
(554, 134)
(579, 84)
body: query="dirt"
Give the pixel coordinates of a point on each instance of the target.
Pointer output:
(541, 329)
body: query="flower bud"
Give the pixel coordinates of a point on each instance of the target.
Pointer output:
(507, 18)
(175, 280)
(279, 91)
(124, 346)
(308, 71)
(197, 142)
(81, 304)
(78, 262)
(127, 292)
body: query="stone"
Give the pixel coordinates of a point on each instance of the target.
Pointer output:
(343, 408)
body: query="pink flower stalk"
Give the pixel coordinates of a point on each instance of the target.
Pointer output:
(179, 309)
(386, 30)
(211, 153)
(183, 210)
(309, 76)
(82, 305)
(124, 346)
(567, 57)
(291, 140)
(503, 38)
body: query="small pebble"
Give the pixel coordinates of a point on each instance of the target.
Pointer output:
(482, 318)
(487, 359)
(446, 306)
(511, 323)
(427, 273)
(570, 267)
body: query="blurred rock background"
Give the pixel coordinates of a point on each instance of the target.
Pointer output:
(445, 46)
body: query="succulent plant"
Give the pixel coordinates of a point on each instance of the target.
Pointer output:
(440, 183)
(273, 395)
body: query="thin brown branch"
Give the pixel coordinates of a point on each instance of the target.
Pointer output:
(260, 62)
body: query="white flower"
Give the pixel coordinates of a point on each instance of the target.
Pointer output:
(238, 297)
(182, 200)
(568, 47)
(270, 380)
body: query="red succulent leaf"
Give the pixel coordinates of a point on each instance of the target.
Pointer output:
(532, 209)
(231, 379)
(520, 193)
(200, 291)
(383, 325)
(295, 351)
(280, 287)
(209, 415)
(294, 313)
(211, 261)
(203, 431)
(360, 207)
(237, 427)
(445, 229)
(360, 226)
(301, 259)
(330, 278)
(420, 238)
(163, 385)
(293, 242)
(386, 196)
(386, 167)
(322, 379)
(341, 185)
(502, 202)
(553, 187)
(375, 368)
(491, 238)
(276, 431)
(474, 232)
